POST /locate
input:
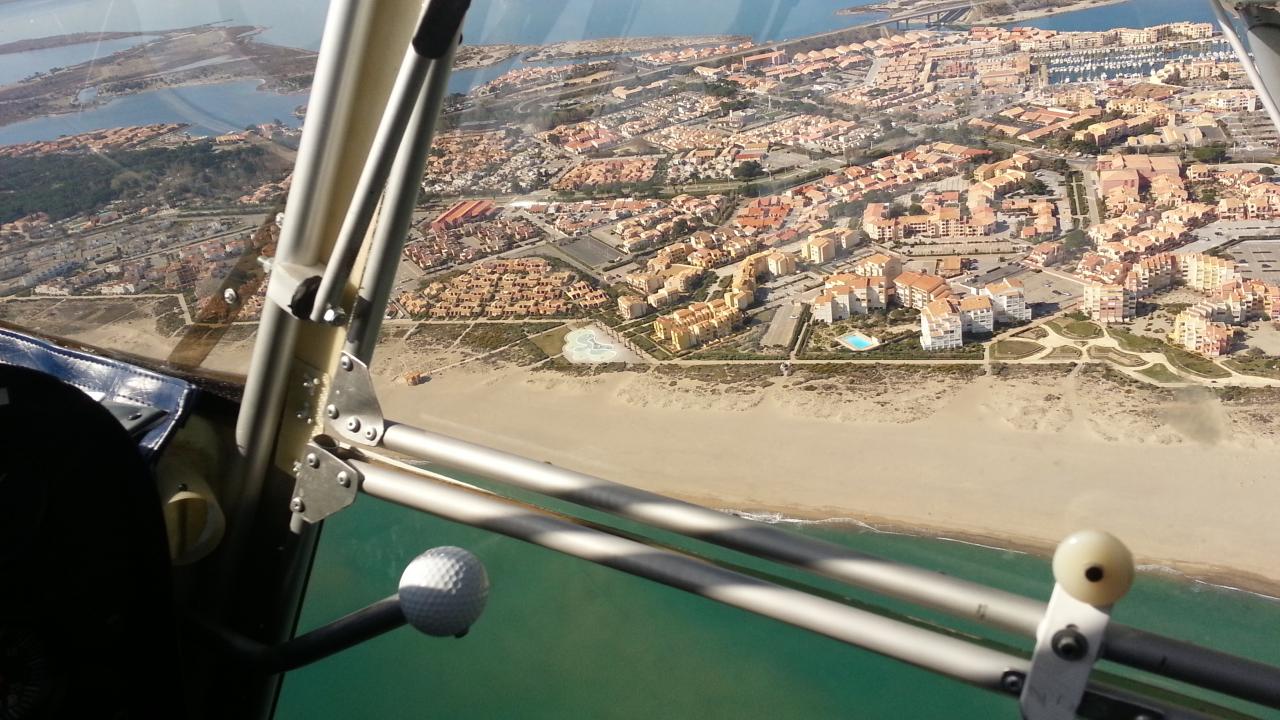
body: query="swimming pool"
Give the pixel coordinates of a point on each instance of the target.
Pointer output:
(858, 341)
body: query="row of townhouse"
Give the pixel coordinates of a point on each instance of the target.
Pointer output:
(698, 323)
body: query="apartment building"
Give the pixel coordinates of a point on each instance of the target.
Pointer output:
(977, 314)
(1109, 303)
(1008, 300)
(819, 249)
(941, 327)
(1196, 330)
(879, 264)
(631, 307)
(916, 290)
(1207, 273)
(699, 323)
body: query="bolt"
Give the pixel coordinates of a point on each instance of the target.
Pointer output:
(313, 460)
(370, 433)
(331, 412)
(297, 505)
(229, 295)
(334, 316)
(345, 362)
(353, 424)
(1069, 644)
(344, 479)
(135, 416)
(182, 487)
(1012, 682)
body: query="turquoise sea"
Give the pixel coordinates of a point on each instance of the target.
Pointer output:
(563, 638)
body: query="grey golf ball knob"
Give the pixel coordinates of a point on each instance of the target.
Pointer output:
(443, 591)
(1093, 567)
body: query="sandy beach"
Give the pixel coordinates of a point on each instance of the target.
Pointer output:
(1032, 14)
(1013, 456)
(1017, 460)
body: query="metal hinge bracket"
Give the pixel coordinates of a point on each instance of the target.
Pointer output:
(353, 412)
(325, 484)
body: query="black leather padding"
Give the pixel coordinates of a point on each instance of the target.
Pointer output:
(86, 608)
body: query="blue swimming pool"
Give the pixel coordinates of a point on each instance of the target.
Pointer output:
(858, 341)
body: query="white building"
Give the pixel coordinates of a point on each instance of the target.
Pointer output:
(940, 325)
(977, 314)
(1008, 300)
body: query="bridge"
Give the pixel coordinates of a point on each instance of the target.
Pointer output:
(934, 15)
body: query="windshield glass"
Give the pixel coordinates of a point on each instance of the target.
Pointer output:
(944, 281)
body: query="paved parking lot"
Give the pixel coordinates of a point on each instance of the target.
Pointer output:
(1225, 231)
(591, 251)
(1259, 259)
(1043, 287)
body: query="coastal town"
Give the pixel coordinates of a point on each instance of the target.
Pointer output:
(962, 193)
(909, 269)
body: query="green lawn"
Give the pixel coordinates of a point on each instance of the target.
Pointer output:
(1035, 333)
(1075, 329)
(1160, 373)
(1135, 343)
(1118, 357)
(1194, 364)
(1064, 352)
(552, 343)
(484, 337)
(1014, 349)
(1267, 366)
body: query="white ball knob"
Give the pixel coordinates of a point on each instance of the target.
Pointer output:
(443, 591)
(1093, 567)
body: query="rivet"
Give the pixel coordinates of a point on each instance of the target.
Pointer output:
(313, 460)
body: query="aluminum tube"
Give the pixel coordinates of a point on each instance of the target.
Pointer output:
(1227, 674)
(373, 180)
(932, 651)
(924, 587)
(393, 225)
(264, 388)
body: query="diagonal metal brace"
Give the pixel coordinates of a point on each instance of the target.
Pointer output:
(325, 484)
(353, 412)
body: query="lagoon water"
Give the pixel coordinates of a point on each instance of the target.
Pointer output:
(210, 109)
(16, 66)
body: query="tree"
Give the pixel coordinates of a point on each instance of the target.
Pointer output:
(748, 170)
(1210, 154)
